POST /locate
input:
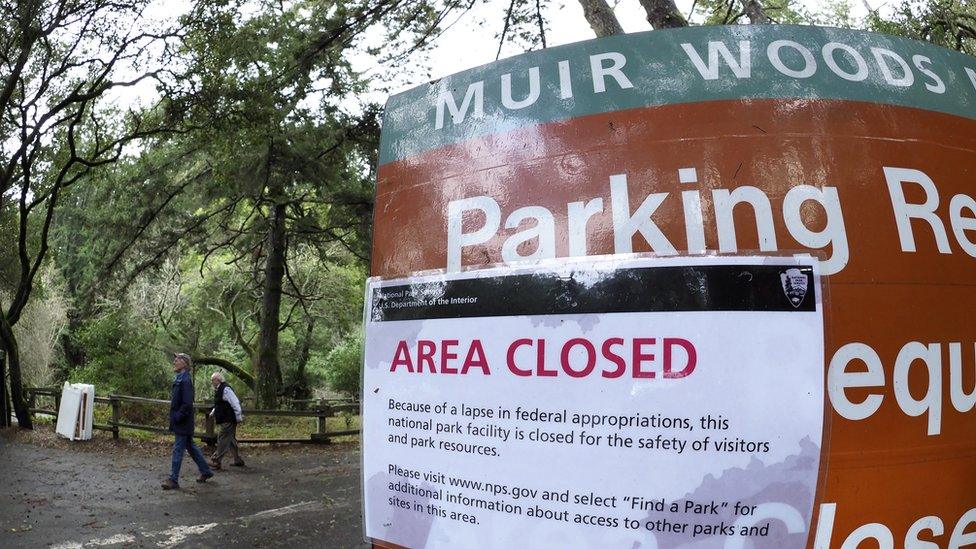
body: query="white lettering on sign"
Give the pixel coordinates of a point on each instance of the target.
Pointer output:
(809, 63)
(839, 379)
(884, 58)
(457, 101)
(961, 224)
(711, 61)
(725, 201)
(601, 71)
(905, 211)
(627, 225)
(530, 98)
(543, 231)
(606, 71)
(882, 536)
(936, 84)
(972, 76)
(913, 355)
(456, 238)
(913, 220)
(828, 52)
(741, 68)
(833, 234)
(579, 215)
(474, 98)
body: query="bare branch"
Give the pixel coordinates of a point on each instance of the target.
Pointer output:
(508, 20)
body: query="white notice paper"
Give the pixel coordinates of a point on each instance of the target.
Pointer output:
(667, 402)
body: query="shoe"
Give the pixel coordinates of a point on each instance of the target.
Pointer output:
(238, 464)
(203, 478)
(215, 465)
(168, 484)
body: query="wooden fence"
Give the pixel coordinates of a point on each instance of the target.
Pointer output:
(321, 410)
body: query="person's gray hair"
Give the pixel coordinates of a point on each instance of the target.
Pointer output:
(185, 358)
(218, 376)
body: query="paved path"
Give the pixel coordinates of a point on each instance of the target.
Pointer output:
(103, 493)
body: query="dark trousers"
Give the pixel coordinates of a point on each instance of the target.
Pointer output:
(227, 442)
(184, 443)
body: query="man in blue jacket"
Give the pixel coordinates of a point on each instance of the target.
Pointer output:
(181, 423)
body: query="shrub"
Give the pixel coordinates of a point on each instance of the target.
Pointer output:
(119, 358)
(343, 365)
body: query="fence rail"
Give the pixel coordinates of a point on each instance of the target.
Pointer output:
(321, 410)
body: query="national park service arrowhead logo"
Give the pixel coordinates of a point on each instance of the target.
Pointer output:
(794, 285)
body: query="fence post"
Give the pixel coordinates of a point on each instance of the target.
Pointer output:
(57, 406)
(116, 415)
(321, 427)
(31, 403)
(209, 423)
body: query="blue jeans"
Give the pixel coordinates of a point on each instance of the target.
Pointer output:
(184, 443)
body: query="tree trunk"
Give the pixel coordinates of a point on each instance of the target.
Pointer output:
(74, 355)
(266, 366)
(601, 18)
(9, 343)
(755, 12)
(241, 374)
(301, 383)
(4, 401)
(663, 14)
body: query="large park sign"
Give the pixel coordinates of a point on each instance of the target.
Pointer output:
(855, 147)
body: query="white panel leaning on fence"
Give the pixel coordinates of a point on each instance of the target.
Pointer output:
(76, 413)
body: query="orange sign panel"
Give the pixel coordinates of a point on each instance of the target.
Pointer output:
(855, 146)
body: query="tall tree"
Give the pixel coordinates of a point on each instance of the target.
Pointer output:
(4, 398)
(601, 18)
(61, 61)
(114, 229)
(755, 12)
(289, 152)
(268, 160)
(663, 14)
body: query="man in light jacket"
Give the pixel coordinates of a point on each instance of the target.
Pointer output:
(181, 423)
(227, 414)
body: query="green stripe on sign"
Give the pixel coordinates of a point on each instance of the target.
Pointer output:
(677, 66)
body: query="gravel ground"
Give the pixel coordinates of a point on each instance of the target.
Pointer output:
(105, 493)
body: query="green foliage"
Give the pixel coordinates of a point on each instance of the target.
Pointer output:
(948, 23)
(728, 12)
(343, 368)
(165, 248)
(120, 358)
(316, 370)
(40, 328)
